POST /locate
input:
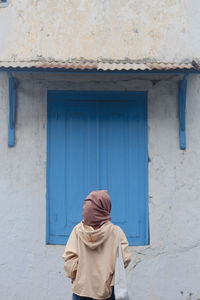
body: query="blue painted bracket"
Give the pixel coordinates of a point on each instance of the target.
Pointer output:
(182, 111)
(12, 108)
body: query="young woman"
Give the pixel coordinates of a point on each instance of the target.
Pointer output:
(91, 250)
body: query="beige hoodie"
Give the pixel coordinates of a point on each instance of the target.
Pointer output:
(90, 256)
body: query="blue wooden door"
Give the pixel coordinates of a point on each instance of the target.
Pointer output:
(97, 140)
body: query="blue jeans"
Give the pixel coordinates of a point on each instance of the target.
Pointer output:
(76, 297)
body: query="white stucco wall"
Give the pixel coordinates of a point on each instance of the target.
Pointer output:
(167, 269)
(113, 29)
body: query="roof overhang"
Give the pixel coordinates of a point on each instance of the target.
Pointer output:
(101, 67)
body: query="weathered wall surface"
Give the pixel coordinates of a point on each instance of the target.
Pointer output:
(167, 269)
(139, 29)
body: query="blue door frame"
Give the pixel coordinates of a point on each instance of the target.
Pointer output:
(57, 102)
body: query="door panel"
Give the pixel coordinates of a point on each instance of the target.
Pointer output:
(97, 140)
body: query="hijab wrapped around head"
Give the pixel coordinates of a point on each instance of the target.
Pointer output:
(97, 208)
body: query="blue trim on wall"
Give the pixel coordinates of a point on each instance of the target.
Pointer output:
(146, 177)
(94, 95)
(48, 241)
(79, 71)
(12, 110)
(182, 111)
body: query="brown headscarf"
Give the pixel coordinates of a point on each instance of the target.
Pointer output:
(97, 208)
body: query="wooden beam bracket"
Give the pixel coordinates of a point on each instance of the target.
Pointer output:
(182, 111)
(12, 109)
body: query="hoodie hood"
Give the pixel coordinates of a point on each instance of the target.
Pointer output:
(93, 238)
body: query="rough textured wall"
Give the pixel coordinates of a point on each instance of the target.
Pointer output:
(138, 29)
(167, 269)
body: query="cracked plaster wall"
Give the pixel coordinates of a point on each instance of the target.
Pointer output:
(165, 31)
(167, 269)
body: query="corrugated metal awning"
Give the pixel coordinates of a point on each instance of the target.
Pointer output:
(101, 64)
(104, 66)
